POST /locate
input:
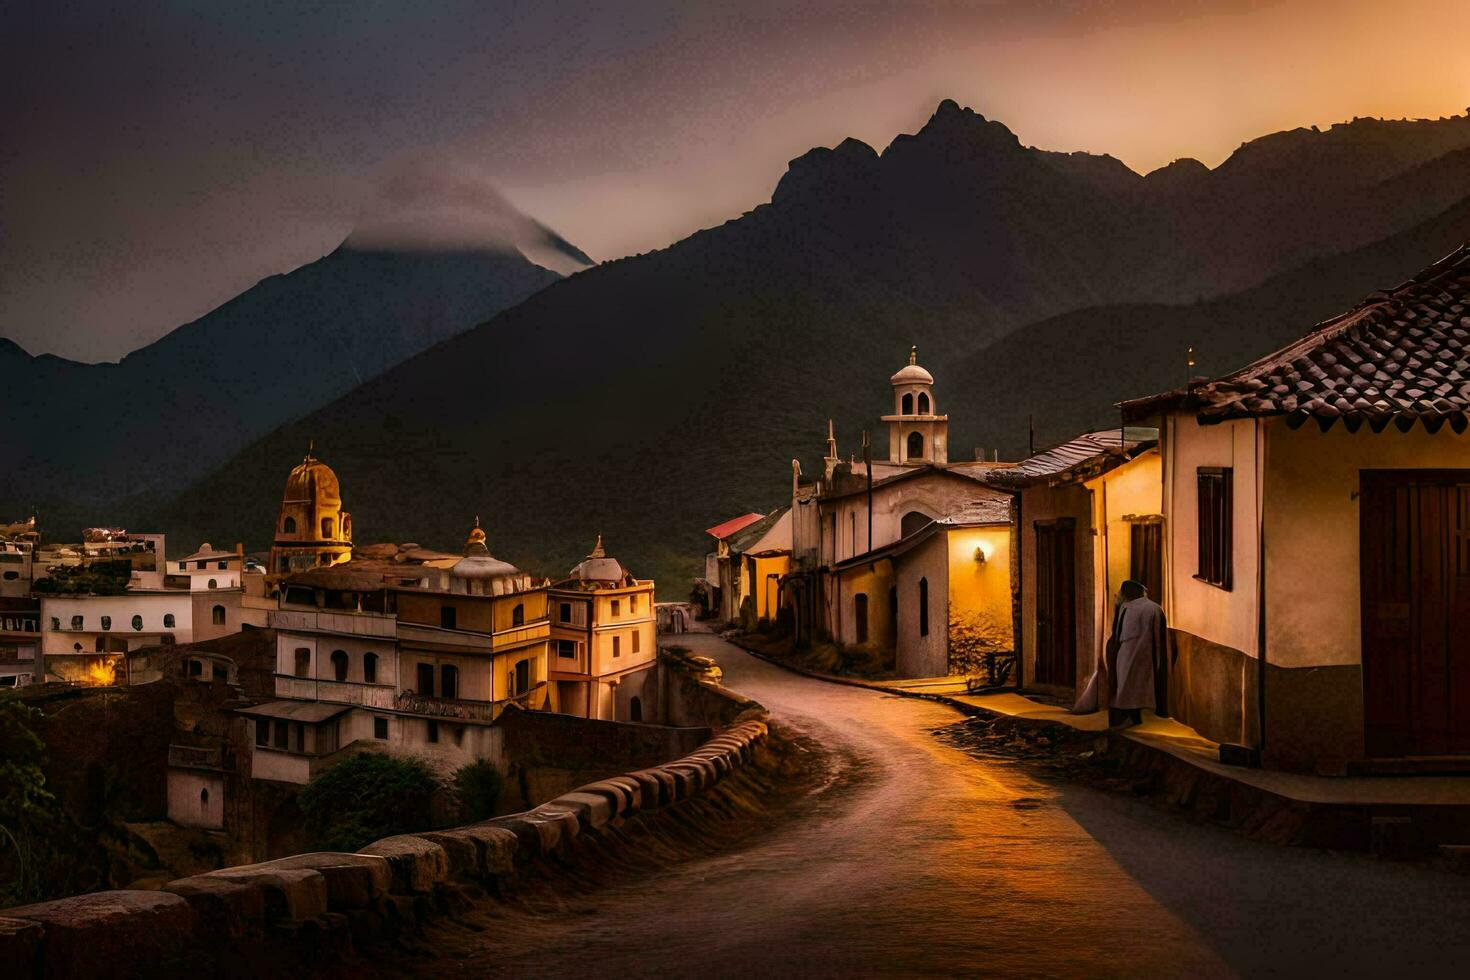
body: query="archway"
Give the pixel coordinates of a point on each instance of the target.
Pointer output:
(915, 446)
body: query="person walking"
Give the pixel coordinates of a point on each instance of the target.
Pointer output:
(1141, 637)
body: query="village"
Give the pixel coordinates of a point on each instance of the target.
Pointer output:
(1301, 523)
(1292, 534)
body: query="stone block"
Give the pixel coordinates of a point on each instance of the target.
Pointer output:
(354, 881)
(495, 847)
(290, 893)
(617, 794)
(223, 908)
(463, 855)
(594, 810)
(635, 790)
(418, 865)
(652, 793)
(529, 839)
(113, 934)
(20, 948)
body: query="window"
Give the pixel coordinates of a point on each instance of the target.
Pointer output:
(566, 648)
(518, 615)
(196, 669)
(217, 615)
(447, 617)
(203, 797)
(370, 668)
(213, 583)
(137, 622)
(56, 622)
(76, 622)
(219, 672)
(1214, 485)
(923, 607)
(201, 565)
(636, 635)
(168, 621)
(339, 664)
(380, 728)
(564, 612)
(107, 622)
(288, 526)
(426, 680)
(632, 604)
(616, 608)
(183, 566)
(280, 735)
(923, 403)
(617, 646)
(908, 403)
(433, 731)
(521, 678)
(327, 528)
(449, 681)
(222, 565)
(916, 446)
(262, 732)
(1146, 557)
(11, 576)
(860, 616)
(303, 662)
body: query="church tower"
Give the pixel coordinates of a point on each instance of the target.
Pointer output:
(917, 433)
(312, 529)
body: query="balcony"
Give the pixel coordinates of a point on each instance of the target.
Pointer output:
(196, 757)
(417, 704)
(338, 692)
(347, 623)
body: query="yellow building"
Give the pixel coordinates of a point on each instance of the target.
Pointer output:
(604, 641)
(312, 529)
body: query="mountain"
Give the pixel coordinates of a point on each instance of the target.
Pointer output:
(651, 396)
(79, 437)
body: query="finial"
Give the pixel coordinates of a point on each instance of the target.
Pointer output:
(914, 354)
(597, 551)
(310, 448)
(477, 520)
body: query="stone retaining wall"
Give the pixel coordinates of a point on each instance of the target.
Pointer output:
(311, 909)
(692, 694)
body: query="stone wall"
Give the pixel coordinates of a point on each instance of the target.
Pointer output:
(310, 910)
(690, 692)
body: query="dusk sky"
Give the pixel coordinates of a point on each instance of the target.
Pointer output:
(158, 158)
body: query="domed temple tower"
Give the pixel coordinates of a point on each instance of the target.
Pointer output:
(312, 529)
(917, 433)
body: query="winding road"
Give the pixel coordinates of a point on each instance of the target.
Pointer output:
(918, 859)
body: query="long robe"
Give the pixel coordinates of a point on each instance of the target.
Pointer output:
(1141, 679)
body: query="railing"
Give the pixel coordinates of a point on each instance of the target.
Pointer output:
(196, 757)
(419, 704)
(357, 624)
(340, 692)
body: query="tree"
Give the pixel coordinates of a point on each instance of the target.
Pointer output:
(29, 813)
(367, 797)
(478, 786)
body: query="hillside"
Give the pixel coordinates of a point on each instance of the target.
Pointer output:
(80, 437)
(649, 397)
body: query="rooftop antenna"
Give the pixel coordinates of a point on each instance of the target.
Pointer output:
(831, 442)
(1188, 367)
(1031, 435)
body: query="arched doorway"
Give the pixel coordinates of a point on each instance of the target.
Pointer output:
(915, 446)
(635, 709)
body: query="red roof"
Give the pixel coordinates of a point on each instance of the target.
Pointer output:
(733, 524)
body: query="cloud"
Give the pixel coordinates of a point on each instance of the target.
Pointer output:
(437, 202)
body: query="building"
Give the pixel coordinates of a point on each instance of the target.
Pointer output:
(603, 641)
(17, 568)
(1316, 518)
(20, 641)
(401, 654)
(886, 555)
(312, 529)
(719, 590)
(1089, 517)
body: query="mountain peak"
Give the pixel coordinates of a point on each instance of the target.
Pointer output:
(818, 171)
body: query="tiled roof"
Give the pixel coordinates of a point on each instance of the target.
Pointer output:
(1399, 356)
(1090, 452)
(990, 509)
(734, 524)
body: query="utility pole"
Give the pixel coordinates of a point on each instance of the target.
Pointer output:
(868, 463)
(1031, 435)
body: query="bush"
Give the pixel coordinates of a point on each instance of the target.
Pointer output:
(367, 797)
(478, 785)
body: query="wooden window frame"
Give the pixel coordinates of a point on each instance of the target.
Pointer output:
(1215, 526)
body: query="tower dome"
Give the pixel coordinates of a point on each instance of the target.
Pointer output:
(481, 573)
(917, 432)
(312, 529)
(597, 567)
(911, 373)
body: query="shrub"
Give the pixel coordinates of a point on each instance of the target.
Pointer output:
(366, 797)
(478, 785)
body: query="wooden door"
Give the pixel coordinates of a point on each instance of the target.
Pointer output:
(1415, 563)
(1056, 604)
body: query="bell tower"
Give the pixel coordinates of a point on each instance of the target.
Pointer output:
(917, 433)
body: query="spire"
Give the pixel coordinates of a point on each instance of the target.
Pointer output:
(831, 442)
(597, 551)
(914, 354)
(310, 450)
(475, 543)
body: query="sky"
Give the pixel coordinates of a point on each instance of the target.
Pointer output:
(158, 158)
